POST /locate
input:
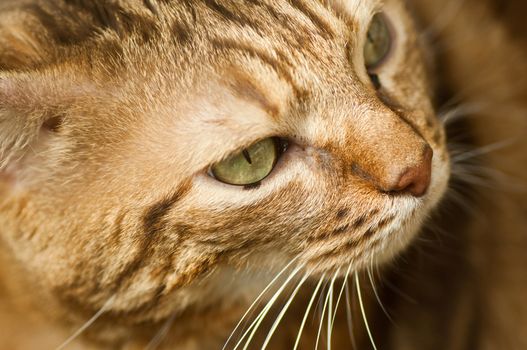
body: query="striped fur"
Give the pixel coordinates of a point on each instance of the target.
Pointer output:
(112, 112)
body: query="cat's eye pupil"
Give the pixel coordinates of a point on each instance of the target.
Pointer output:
(251, 165)
(378, 42)
(247, 156)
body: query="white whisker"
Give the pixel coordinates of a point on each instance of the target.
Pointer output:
(344, 283)
(363, 312)
(482, 150)
(88, 323)
(306, 315)
(259, 319)
(349, 318)
(485, 176)
(372, 282)
(282, 313)
(330, 315)
(459, 112)
(324, 312)
(269, 285)
(158, 338)
(456, 197)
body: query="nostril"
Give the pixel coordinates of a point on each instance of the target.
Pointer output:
(415, 180)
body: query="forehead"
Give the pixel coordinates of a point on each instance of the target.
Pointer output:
(182, 30)
(293, 38)
(292, 23)
(168, 47)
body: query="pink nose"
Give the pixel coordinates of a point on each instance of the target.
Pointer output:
(415, 179)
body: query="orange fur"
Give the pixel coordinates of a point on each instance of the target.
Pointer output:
(112, 112)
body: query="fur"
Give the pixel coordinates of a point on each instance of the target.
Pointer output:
(112, 112)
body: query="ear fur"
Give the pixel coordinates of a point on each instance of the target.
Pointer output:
(19, 127)
(21, 51)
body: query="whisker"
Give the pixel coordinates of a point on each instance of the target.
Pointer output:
(459, 199)
(363, 312)
(340, 294)
(88, 323)
(318, 307)
(306, 315)
(330, 315)
(485, 176)
(349, 318)
(482, 150)
(158, 338)
(459, 112)
(282, 313)
(261, 316)
(324, 312)
(372, 282)
(257, 300)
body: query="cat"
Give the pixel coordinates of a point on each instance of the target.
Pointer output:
(354, 167)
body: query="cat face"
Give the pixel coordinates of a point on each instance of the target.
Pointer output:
(111, 182)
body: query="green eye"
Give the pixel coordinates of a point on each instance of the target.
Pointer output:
(378, 42)
(249, 166)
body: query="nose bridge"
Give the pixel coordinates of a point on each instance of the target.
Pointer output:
(387, 151)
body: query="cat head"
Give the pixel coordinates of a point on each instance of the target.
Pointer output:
(150, 150)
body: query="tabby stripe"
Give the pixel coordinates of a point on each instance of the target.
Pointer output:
(359, 222)
(229, 44)
(385, 222)
(228, 15)
(181, 32)
(296, 31)
(355, 225)
(58, 30)
(342, 213)
(153, 222)
(324, 27)
(246, 89)
(369, 233)
(154, 215)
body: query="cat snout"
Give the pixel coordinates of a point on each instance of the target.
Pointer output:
(414, 179)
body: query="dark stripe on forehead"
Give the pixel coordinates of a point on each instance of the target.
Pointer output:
(238, 17)
(276, 65)
(245, 87)
(72, 22)
(264, 18)
(324, 27)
